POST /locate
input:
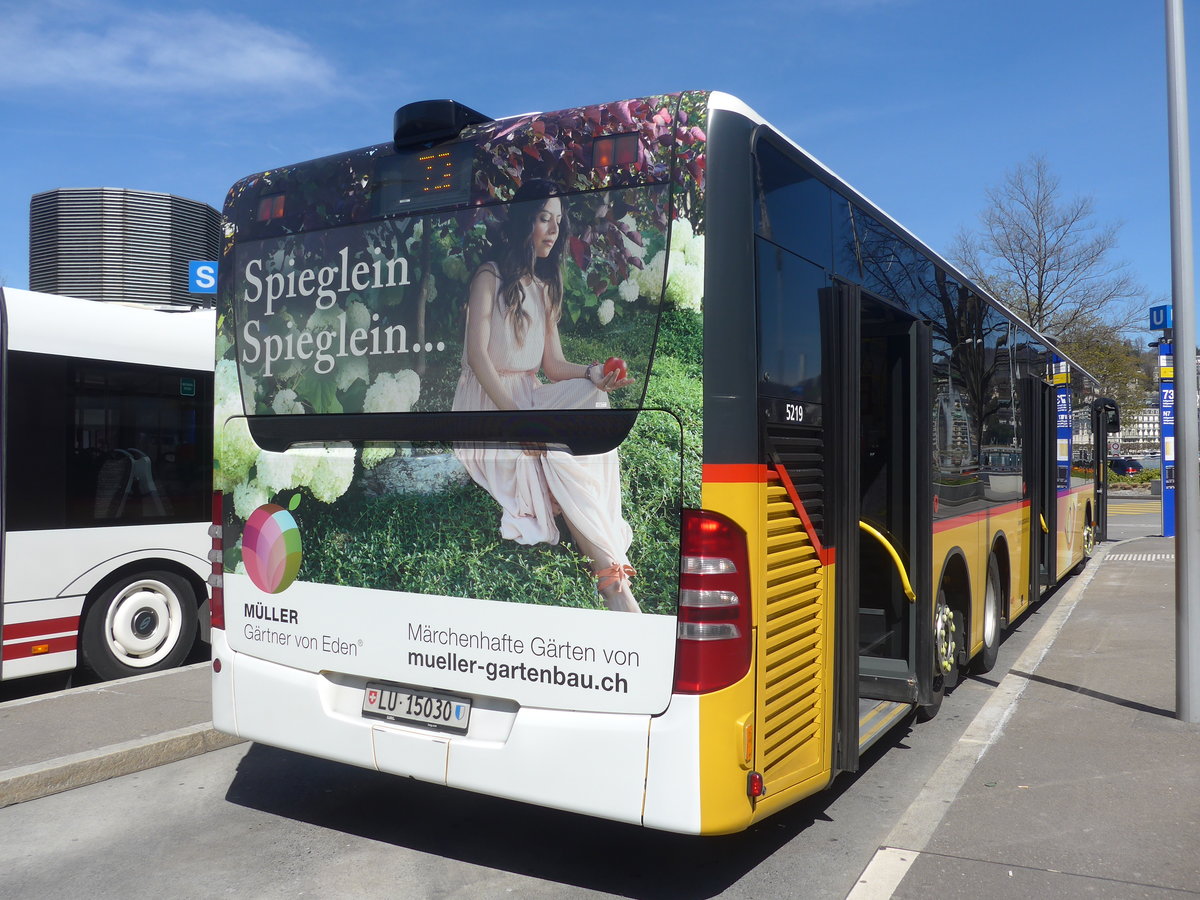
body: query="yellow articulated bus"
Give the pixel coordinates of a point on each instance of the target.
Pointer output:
(621, 459)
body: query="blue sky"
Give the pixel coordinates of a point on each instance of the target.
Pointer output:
(920, 104)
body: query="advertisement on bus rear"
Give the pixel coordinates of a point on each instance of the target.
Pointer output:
(468, 563)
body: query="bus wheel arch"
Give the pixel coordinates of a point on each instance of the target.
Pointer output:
(950, 618)
(141, 618)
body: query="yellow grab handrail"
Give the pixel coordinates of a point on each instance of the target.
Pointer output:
(887, 545)
(1045, 527)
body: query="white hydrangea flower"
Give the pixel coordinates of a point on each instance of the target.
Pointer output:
(676, 259)
(685, 241)
(227, 390)
(605, 312)
(249, 496)
(393, 392)
(333, 474)
(628, 289)
(694, 251)
(681, 234)
(650, 278)
(374, 454)
(286, 403)
(685, 287)
(304, 464)
(235, 448)
(276, 471)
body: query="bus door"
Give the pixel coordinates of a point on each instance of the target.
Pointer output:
(880, 494)
(1040, 482)
(1105, 421)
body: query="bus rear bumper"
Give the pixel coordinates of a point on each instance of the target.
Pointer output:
(587, 762)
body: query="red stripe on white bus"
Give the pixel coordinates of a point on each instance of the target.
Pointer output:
(30, 649)
(19, 630)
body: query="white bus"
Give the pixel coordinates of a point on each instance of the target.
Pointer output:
(621, 459)
(105, 484)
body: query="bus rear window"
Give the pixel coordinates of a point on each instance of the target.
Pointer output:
(379, 317)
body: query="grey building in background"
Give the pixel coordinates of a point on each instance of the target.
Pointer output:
(117, 244)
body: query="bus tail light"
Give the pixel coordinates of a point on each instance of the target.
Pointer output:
(714, 638)
(216, 555)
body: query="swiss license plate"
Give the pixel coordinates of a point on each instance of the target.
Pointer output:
(397, 703)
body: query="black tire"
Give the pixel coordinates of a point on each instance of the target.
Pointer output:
(1090, 528)
(993, 616)
(947, 640)
(145, 622)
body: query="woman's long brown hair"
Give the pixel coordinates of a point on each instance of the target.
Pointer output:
(518, 261)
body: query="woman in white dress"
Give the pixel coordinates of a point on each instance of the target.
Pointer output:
(512, 334)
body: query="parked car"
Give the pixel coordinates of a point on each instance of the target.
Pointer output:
(1124, 465)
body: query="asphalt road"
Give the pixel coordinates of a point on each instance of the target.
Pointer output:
(1133, 517)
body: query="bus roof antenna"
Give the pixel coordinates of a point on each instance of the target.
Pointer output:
(427, 122)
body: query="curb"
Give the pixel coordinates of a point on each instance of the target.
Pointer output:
(24, 783)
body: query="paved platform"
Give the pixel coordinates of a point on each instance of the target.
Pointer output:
(1076, 780)
(63, 740)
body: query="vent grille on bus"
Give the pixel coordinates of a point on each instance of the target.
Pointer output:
(794, 633)
(802, 453)
(793, 646)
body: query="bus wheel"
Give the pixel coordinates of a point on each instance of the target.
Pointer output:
(143, 623)
(1089, 535)
(991, 621)
(947, 638)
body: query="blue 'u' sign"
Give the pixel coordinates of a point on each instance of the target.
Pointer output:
(1160, 317)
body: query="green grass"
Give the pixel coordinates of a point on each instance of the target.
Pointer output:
(450, 544)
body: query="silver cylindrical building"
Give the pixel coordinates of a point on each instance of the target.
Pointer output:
(118, 244)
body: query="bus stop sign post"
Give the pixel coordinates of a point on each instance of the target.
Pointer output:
(1187, 511)
(1166, 423)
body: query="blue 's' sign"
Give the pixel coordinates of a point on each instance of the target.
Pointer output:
(202, 276)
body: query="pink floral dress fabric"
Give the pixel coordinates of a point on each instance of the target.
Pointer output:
(532, 490)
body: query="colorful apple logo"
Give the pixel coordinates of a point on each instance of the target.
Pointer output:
(271, 548)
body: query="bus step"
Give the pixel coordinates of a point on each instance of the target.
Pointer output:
(876, 717)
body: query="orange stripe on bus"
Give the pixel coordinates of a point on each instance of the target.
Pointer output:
(734, 473)
(40, 647)
(971, 518)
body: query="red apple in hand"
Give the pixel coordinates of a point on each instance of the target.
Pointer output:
(616, 364)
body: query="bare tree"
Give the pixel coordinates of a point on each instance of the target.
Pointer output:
(1049, 260)
(1119, 365)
